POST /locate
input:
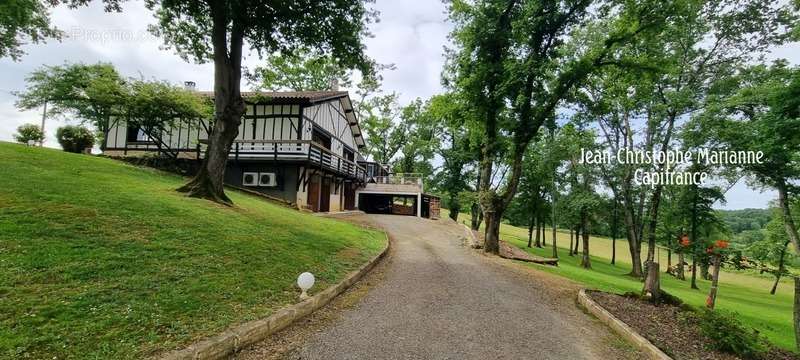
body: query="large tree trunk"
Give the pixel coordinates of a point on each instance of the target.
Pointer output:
(577, 239)
(652, 283)
(491, 242)
(679, 273)
(538, 242)
(634, 246)
(228, 109)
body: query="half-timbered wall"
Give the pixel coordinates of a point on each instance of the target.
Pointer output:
(330, 117)
(184, 136)
(270, 122)
(260, 122)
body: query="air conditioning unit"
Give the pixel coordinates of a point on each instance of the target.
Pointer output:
(250, 179)
(267, 179)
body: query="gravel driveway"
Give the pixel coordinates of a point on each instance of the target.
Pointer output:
(441, 300)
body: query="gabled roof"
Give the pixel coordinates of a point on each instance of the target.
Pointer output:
(308, 98)
(294, 97)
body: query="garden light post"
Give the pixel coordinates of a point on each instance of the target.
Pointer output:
(305, 281)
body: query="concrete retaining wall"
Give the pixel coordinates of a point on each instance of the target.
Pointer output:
(237, 338)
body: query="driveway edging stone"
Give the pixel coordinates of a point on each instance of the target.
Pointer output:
(621, 328)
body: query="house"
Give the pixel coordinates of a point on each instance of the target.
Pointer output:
(302, 147)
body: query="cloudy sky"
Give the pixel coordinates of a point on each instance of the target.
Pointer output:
(411, 35)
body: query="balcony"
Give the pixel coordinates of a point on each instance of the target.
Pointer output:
(303, 151)
(397, 183)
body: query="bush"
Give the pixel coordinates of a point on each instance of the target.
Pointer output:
(27, 132)
(728, 334)
(74, 138)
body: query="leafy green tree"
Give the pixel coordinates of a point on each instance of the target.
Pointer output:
(514, 68)
(23, 22)
(759, 110)
(453, 146)
(156, 107)
(91, 94)
(29, 132)
(704, 41)
(772, 250)
(75, 139)
(96, 94)
(384, 134)
(421, 140)
(303, 70)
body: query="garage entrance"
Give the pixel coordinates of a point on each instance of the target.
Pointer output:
(388, 204)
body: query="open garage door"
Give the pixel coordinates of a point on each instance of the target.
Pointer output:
(388, 204)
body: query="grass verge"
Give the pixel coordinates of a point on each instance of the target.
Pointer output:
(99, 259)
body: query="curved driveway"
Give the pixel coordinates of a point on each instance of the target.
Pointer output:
(439, 301)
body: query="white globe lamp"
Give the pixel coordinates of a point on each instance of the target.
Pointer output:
(305, 281)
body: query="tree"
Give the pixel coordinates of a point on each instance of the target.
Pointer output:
(454, 146)
(302, 70)
(513, 53)
(772, 249)
(421, 140)
(384, 135)
(97, 94)
(156, 107)
(29, 132)
(703, 42)
(91, 94)
(759, 110)
(74, 139)
(23, 22)
(216, 31)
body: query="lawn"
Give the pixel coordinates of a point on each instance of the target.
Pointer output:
(99, 259)
(744, 293)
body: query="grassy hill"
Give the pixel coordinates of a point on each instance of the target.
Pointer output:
(99, 259)
(747, 294)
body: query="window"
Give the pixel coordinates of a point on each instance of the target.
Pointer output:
(136, 134)
(321, 139)
(349, 155)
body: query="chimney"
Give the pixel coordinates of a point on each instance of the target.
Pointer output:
(189, 85)
(334, 84)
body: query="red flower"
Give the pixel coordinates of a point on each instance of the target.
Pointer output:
(685, 241)
(722, 244)
(708, 301)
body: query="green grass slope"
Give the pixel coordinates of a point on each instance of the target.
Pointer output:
(99, 259)
(744, 293)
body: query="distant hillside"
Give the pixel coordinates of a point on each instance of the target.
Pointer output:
(745, 219)
(104, 260)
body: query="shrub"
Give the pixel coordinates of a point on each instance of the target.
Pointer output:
(728, 334)
(74, 138)
(27, 132)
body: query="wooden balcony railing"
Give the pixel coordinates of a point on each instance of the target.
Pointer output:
(292, 150)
